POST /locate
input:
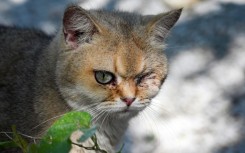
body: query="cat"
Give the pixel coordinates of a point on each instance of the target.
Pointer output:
(108, 63)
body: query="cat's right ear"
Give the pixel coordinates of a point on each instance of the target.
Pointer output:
(158, 26)
(78, 26)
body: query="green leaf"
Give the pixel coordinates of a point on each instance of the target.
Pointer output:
(120, 151)
(19, 141)
(32, 148)
(87, 133)
(8, 144)
(57, 136)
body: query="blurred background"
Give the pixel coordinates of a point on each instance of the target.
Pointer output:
(201, 107)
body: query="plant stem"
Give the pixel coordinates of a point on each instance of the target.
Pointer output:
(95, 147)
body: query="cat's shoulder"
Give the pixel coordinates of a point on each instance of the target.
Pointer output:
(15, 40)
(20, 45)
(15, 33)
(5, 28)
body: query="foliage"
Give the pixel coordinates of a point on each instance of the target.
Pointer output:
(57, 138)
(19, 141)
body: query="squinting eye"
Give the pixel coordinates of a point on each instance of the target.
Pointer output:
(103, 77)
(141, 77)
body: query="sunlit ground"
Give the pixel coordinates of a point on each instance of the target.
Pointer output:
(201, 108)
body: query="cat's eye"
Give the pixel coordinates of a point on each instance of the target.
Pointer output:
(104, 77)
(140, 77)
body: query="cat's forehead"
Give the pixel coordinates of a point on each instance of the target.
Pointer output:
(119, 22)
(117, 17)
(123, 58)
(129, 60)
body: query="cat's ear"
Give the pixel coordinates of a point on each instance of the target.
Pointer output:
(79, 26)
(158, 26)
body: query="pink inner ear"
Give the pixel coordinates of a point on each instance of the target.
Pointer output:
(71, 38)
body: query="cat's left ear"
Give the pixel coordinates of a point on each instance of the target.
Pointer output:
(158, 26)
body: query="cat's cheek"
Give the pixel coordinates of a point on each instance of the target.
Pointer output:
(91, 90)
(153, 90)
(152, 87)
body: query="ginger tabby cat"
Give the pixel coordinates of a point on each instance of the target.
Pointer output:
(110, 64)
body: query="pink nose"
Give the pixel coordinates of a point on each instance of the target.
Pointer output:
(128, 101)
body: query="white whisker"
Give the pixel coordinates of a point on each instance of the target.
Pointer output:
(85, 107)
(46, 121)
(106, 116)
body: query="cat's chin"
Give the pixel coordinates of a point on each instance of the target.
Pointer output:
(127, 113)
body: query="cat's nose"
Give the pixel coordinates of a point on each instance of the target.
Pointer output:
(128, 101)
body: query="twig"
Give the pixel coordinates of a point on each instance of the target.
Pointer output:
(28, 136)
(95, 147)
(6, 133)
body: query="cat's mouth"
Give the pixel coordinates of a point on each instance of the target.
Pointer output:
(133, 109)
(129, 110)
(126, 110)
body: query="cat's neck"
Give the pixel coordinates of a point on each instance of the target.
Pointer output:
(111, 130)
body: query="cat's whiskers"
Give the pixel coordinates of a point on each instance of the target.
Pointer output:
(168, 129)
(106, 116)
(157, 105)
(91, 109)
(84, 108)
(146, 118)
(153, 115)
(96, 115)
(55, 117)
(99, 115)
(145, 121)
(46, 121)
(45, 131)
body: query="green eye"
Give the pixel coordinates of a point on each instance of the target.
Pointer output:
(104, 77)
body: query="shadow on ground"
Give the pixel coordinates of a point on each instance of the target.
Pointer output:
(215, 32)
(45, 15)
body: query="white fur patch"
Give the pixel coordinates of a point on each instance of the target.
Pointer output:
(119, 79)
(151, 84)
(73, 104)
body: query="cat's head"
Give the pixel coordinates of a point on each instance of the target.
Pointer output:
(112, 61)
